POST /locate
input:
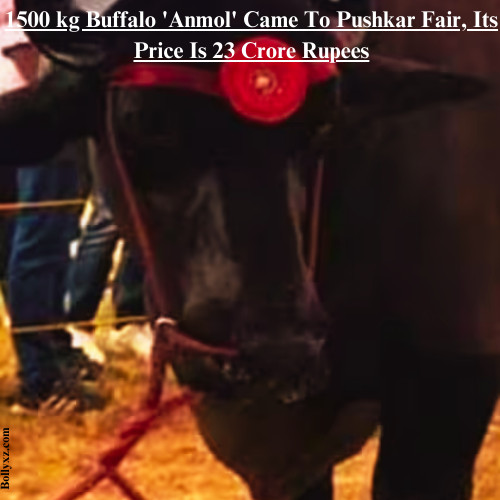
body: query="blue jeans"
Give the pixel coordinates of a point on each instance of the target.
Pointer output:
(7, 195)
(36, 276)
(88, 273)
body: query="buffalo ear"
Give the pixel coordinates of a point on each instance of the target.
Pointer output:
(387, 85)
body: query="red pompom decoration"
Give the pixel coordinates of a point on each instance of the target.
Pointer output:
(267, 91)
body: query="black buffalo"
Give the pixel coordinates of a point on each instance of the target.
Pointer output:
(402, 312)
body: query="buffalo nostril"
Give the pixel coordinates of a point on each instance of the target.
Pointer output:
(284, 356)
(290, 368)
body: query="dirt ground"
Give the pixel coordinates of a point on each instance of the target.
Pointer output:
(172, 462)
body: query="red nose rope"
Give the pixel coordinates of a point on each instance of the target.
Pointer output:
(267, 92)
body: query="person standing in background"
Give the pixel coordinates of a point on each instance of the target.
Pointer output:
(13, 76)
(50, 370)
(88, 273)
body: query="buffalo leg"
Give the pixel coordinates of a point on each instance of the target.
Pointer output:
(435, 413)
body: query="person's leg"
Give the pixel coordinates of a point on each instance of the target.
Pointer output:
(7, 195)
(87, 279)
(36, 277)
(88, 272)
(435, 413)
